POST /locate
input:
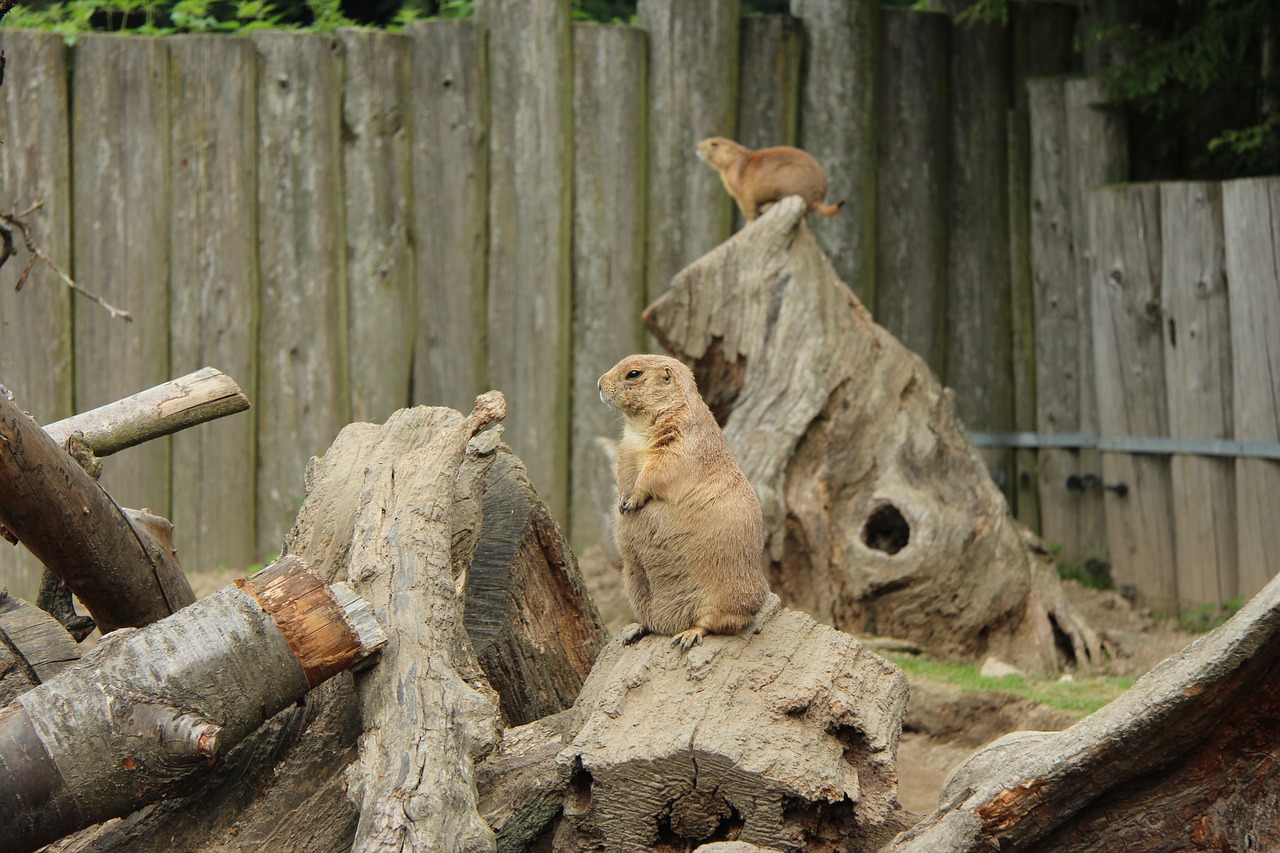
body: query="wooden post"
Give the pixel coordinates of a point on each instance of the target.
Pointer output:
(1198, 366)
(693, 92)
(302, 344)
(1129, 342)
(979, 301)
(145, 715)
(610, 187)
(838, 126)
(770, 56)
(214, 310)
(120, 143)
(1251, 226)
(35, 323)
(377, 188)
(914, 189)
(530, 221)
(450, 97)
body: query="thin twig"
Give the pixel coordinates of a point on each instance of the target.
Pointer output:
(15, 220)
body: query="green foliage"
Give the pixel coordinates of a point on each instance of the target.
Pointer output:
(1081, 695)
(1093, 574)
(1205, 617)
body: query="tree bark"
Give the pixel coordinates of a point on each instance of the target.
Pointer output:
(124, 576)
(786, 739)
(1181, 761)
(33, 647)
(147, 711)
(881, 517)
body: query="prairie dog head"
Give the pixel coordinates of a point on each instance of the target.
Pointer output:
(719, 152)
(645, 386)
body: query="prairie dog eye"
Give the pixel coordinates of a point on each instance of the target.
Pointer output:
(633, 374)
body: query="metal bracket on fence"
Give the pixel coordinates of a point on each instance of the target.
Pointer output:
(1129, 444)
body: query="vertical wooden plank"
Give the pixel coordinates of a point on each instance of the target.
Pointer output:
(1126, 273)
(35, 323)
(302, 346)
(450, 95)
(979, 306)
(693, 92)
(531, 181)
(838, 117)
(377, 172)
(771, 51)
(120, 158)
(610, 148)
(1251, 223)
(914, 175)
(214, 308)
(1198, 367)
(1098, 152)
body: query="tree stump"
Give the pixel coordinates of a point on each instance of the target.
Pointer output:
(881, 517)
(786, 739)
(1183, 760)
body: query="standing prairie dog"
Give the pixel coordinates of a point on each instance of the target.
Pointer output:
(688, 525)
(759, 178)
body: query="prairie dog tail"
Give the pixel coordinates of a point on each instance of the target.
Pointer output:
(829, 209)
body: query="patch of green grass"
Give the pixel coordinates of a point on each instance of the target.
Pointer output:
(1205, 617)
(1083, 695)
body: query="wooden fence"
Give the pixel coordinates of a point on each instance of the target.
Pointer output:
(349, 224)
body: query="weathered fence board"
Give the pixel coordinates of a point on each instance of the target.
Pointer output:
(914, 182)
(838, 116)
(608, 247)
(768, 84)
(450, 97)
(1126, 275)
(1098, 150)
(979, 309)
(120, 204)
(693, 62)
(530, 217)
(377, 171)
(35, 323)
(1198, 368)
(214, 301)
(1251, 223)
(303, 389)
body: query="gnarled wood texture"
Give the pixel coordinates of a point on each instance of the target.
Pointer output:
(881, 518)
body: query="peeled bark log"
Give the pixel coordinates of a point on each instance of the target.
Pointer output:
(786, 739)
(33, 647)
(147, 711)
(1184, 760)
(881, 517)
(60, 513)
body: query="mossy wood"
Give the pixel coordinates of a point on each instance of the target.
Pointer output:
(881, 517)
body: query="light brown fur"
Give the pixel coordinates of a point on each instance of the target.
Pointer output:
(757, 179)
(688, 524)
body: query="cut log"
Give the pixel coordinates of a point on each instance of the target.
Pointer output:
(522, 785)
(786, 739)
(147, 711)
(33, 647)
(193, 399)
(123, 576)
(881, 517)
(527, 612)
(1184, 760)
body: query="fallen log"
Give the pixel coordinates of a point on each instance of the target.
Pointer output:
(1183, 760)
(118, 570)
(147, 711)
(786, 739)
(881, 517)
(33, 647)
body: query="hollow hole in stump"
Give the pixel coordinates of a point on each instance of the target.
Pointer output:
(886, 530)
(1062, 641)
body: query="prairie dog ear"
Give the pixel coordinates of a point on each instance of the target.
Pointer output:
(666, 374)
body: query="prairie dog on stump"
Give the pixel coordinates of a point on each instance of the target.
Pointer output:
(759, 178)
(688, 525)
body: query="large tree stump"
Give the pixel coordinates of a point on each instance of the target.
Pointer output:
(146, 712)
(1184, 760)
(881, 517)
(786, 739)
